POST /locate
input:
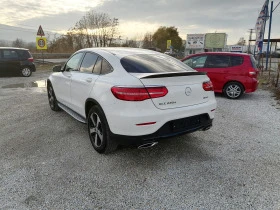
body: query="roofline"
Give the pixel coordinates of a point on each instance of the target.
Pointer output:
(114, 51)
(230, 53)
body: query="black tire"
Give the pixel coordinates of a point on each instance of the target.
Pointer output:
(233, 90)
(26, 72)
(52, 99)
(99, 131)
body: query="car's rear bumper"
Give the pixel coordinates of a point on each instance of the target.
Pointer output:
(169, 129)
(252, 86)
(133, 120)
(33, 67)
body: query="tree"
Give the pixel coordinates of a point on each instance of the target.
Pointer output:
(95, 29)
(4, 43)
(241, 41)
(31, 46)
(64, 43)
(92, 30)
(18, 43)
(147, 41)
(131, 43)
(163, 34)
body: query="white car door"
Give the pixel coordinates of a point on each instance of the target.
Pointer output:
(62, 81)
(83, 81)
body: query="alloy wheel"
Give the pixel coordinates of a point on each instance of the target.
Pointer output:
(51, 97)
(95, 130)
(233, 91)
(26, 72)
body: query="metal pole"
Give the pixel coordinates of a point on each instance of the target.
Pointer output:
(269, 31)
(269, 62)
(262, 62)
(261, 50)
(270, 55)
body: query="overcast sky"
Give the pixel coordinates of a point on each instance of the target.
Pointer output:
(136, 17)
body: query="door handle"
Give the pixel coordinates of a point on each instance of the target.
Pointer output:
(67, 75)
(89, 80)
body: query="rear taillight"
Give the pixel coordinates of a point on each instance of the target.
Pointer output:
(208, 86)
(253, 72)
(138, 93)
(30, 59)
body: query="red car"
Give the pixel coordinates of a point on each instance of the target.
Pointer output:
(231, 73)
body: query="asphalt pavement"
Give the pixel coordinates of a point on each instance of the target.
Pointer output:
(47, 161)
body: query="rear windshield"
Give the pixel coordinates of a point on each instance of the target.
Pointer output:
(253, 61)
(24, 53)
(153, 63)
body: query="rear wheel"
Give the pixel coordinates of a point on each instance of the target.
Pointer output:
(98, 130)
(233, 90)
(26, 72)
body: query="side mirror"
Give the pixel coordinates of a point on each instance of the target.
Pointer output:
(57, 68)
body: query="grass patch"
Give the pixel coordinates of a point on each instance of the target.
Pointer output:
(268, 83)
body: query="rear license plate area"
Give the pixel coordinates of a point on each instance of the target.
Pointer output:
(183, 124)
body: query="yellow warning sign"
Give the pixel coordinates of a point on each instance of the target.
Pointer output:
(168, 44)
(41, 43)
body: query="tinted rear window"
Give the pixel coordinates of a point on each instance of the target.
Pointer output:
(24, 53)
(153, 64)
(236, 60)
(253, 62)
(217, 61)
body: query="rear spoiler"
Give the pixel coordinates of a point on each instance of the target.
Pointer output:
(173, 75)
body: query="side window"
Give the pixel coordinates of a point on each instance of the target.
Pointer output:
(73, 63)
(217, 61)
(88, 62)
(188, 62)
(198, 62)
(97, 67)
(106, 67)
(24, 54)
(10, 54)
(236, 60)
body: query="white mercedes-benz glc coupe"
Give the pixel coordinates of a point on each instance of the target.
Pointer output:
(131, 96)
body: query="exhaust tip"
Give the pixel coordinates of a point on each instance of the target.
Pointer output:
(147, 145)
(206, 128)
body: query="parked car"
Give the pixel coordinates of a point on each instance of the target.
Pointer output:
(16, 61)
(231, 73)
(131, 96)
(171, 53)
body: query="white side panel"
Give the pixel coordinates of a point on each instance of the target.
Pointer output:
(61, 84)
(81, 86)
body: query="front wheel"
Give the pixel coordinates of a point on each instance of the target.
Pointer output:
(52, 99)
(26, 72)
(233, 90)
(98, 130)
